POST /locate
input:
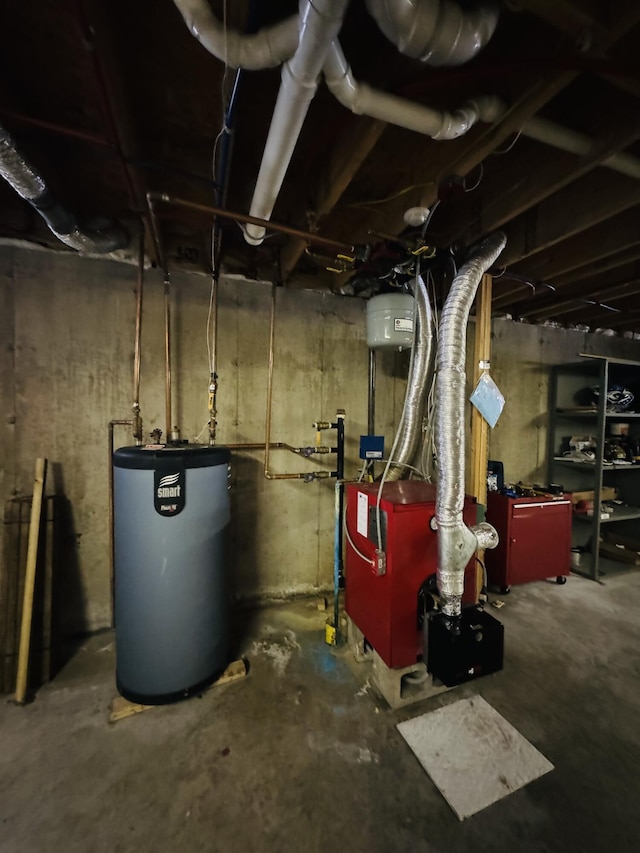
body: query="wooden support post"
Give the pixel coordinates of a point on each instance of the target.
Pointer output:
(30, 581)
(479, 427)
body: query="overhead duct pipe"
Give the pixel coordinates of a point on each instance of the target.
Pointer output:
(320, 23)
(419, 382)
(101, 237)
(267, 48)
(456, 541)
(435, 31)
(362, 99)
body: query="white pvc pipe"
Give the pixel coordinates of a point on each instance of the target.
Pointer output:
(265, 49)
(365, 100)
(435, 31)
(549, 133)
(320, 23)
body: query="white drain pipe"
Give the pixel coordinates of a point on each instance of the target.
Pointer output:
(362, 99)
(456, 541)
(320, 23)
(265, 49)
(435, 31)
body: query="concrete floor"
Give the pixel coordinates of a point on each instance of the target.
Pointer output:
(301, 756)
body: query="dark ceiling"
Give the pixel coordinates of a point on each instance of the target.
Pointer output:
(111, 100)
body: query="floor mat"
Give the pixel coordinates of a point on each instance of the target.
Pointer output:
(472, 754)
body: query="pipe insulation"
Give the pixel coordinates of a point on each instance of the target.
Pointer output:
(456, 541)
(267, 48)
(363, 99)
(438, 32)
(99, 237)
(320, 23)
(419, 383)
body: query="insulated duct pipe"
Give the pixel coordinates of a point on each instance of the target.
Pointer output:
(456, 541)
(267, 48)
(100, 238)
(320, 23)
(362, 99)
(435, 31)
(418, 384)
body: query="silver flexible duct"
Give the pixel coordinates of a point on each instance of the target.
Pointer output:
(435, 31)
(456, 541)
(267, 48)
(100, 238)
(418, 384)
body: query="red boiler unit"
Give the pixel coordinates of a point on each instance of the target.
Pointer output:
(385, 606)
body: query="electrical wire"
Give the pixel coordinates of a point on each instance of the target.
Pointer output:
(355, 548)
(398, 194)
(506, 150)
(477, 183)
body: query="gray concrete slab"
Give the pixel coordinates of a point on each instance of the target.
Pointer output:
(301, 755)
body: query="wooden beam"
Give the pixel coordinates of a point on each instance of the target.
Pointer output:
(344, 161)
(481, 358)
(555, 170)
(30, 582)
(571, 297)
(576, 20)
(479, 426)
(579, 206)
(584, 249)
(604, 265)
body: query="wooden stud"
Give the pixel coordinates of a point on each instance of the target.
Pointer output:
(479, 426)
(30, 581)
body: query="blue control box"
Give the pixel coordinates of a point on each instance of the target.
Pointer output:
(371, 447)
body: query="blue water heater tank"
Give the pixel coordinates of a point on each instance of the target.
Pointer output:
(171, 514)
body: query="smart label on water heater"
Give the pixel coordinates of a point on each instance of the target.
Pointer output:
(169, 492)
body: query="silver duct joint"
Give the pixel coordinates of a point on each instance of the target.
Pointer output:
(419, 382)
(435, 31)
(101, 236)
(456, 541)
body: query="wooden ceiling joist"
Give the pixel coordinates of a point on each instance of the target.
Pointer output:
(584, 249)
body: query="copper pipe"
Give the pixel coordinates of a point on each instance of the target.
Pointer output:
(212, 327)
(260, 445)
(167, 354)
(71, 132)
(250, 220)
(267, 435)
(155, 234)
(137, 420)
(112, 424)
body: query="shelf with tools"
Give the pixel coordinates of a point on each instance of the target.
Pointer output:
(594, 452)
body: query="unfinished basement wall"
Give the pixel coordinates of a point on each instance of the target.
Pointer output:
(67, 327)
(521, 358)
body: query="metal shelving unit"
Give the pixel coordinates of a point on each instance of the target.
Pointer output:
(568, 418)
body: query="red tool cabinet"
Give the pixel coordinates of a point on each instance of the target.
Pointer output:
(385, 607)
(535, 539)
